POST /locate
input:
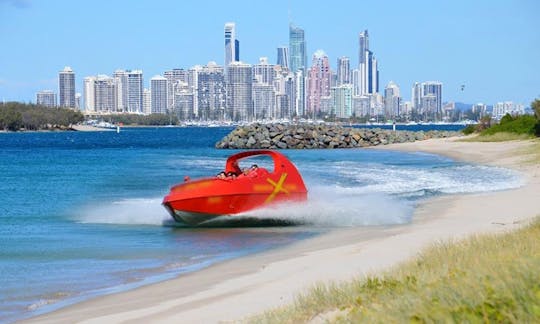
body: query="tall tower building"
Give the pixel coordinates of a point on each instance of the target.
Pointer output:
(135, 91)
(173, 77)
(392, 100)
(147, 102)
(432, 98)
(211, 92)
(283, 57)
(264, 72)
(89, 93)
(342, 100)
(367, 65)
(121, 80)
(158, 94)
(297, 48)
(318, 82)
(239, 91)
(363, 46)
(343, 71)
(104, 94)
(232, 45)
(46, 98)
(298, 65)
(66, 87)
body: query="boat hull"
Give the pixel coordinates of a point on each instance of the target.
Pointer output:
(197, 201)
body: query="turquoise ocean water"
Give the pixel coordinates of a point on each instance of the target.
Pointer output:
(81, 214)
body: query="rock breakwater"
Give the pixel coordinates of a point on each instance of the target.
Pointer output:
(318, 136)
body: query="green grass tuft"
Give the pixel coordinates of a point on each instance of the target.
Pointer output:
(498, 137)
(491, 278)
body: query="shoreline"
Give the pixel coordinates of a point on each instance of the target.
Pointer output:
(249, 285)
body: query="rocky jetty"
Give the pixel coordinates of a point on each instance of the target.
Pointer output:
(318, 136)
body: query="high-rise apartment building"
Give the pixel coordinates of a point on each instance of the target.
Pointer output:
(46, 98)
(158, 95)
(283, 57)
(66, 87)
(121, 80)
(211, 92)
(342, 100)
(432, 90)
(184, 101)
(173, 77)
(343, 71)
(427, 100)
(239, 91)
(147, 101)
(232, 45)
(89, 93)
(104, 94)
(264, 72)
(318, 83)
(135, 91)
(392, 100)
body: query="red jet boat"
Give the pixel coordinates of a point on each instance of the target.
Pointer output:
(235, 190)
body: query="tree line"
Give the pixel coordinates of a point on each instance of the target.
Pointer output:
(144, 120)
(15, 116)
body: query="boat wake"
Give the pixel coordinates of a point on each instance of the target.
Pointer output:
(327, 206)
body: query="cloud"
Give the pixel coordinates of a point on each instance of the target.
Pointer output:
(21, 4)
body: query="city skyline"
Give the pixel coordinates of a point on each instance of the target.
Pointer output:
(458, 44)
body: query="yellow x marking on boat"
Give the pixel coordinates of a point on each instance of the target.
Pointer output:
(278, 187)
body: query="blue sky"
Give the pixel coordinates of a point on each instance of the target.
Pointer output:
(491, 47)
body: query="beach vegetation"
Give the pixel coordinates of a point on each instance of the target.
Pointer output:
(498, 137)
(524, 124)
(535, 105)
(15, 116)
(142, 120)
(488, 278)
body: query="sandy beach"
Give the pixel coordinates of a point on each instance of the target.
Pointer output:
(239, 288)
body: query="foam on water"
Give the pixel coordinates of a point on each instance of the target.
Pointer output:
(354, 195)
(136, 211)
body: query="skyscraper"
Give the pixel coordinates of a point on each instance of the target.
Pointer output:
(66, 87)
(121, 80)
(298, 65)
(232, 45)
(211, 92)
(283, 57)
(368, 81)
(158, 94)
(432, 98)
(263, 72)
(297, 48)
(46, 98)
(318, 82)
(342, 100)
(135, 91)
(104, 94)
(89, 93)
(363, 46)
(392, 100)
(173, 77)
(343, 71)
(239, 91)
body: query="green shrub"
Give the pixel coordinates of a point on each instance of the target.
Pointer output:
(469, 129)
(520, 125)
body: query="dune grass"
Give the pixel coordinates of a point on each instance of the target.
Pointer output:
(498, 137)
(490, 278)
